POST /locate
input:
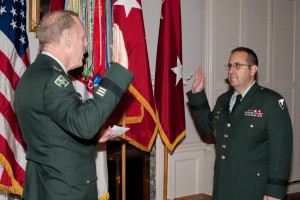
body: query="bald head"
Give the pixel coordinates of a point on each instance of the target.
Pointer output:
(53, 24)
(63, 36)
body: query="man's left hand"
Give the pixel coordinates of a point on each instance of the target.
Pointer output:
(106, 134)
(269, 198)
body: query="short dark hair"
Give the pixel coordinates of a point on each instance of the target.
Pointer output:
(251, 55)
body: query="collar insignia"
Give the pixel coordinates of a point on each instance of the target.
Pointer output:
(218, 113)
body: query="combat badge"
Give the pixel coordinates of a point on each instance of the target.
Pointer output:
(61, 81)
(281, 103)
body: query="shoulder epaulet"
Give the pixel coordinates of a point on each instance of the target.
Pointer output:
(56, 68)
(270, 92)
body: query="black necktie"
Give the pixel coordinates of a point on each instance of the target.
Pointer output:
(237, 102)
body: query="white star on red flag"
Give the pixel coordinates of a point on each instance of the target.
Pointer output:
(178, 71)
(128, 5)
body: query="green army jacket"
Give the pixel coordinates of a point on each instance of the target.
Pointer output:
(59, 129)
(253, 145)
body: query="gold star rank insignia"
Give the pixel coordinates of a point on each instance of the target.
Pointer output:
(61, 81)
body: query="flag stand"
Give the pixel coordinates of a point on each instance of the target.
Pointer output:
(165, 172)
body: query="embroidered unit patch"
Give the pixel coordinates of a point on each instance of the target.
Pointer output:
(61, 81)
(281, 103)
(254, 113)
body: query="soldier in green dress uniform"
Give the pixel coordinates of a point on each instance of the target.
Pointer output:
(59, 128)
(253, 142)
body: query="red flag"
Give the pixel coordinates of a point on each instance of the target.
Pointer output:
(99, 41)
(57, 5)
(13, 62)
(168, 76)
(138, 104)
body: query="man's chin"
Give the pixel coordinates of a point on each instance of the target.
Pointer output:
(233, 83)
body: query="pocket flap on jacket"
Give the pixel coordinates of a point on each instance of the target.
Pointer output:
(259, 168)
(81, 174)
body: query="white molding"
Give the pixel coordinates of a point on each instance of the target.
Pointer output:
(208, 48)
(190, 169)
(185, 152)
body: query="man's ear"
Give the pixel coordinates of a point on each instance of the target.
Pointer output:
(253, 69)
(67, 37)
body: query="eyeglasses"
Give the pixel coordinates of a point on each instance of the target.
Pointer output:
(235, 66)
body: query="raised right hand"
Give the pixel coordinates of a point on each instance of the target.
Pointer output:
(119, 53)
(199, 82)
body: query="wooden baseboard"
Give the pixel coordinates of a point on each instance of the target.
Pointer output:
(195, 197)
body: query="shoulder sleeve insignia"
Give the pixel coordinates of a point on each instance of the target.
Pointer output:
(61, 81)
(281, 103)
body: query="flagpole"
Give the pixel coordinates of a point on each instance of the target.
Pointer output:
(165, 172)
(123, 169)
(124, 156)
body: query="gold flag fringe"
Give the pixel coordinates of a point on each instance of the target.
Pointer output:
(16, 188)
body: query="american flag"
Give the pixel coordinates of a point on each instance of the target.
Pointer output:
(13, 62)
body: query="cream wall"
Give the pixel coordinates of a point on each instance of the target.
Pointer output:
(210, 29)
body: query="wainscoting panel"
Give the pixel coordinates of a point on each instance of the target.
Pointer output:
(190, 170)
